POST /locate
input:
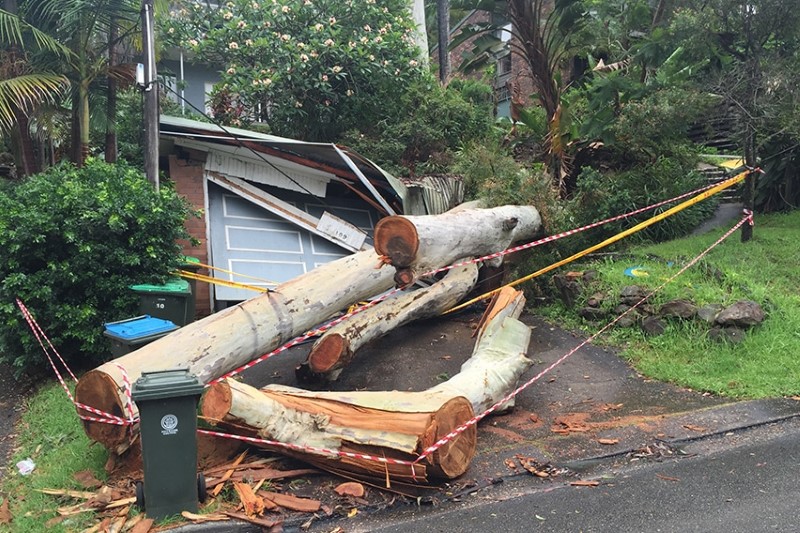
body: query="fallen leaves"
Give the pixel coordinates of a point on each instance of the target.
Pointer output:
(585, 483)
(86, 479)
(667, 478)
(5, 513)
(608, 442)
(692, 427)
(541, 470)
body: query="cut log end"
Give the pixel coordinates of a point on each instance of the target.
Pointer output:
(453, 459)
(397, 239)
(329, 353)
(99, 390)
(404, 277)
(217, 401)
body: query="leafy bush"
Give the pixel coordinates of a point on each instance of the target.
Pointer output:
(73, 240)
(605, 194)
(425, 123)
(310, 69)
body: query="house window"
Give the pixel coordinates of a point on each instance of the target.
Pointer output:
(504, 65)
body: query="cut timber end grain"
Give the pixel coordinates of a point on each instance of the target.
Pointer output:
(397, 239)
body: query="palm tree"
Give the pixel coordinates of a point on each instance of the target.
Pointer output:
(22, 87)
(83, 36)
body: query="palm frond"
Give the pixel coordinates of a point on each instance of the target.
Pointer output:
(13, 30)
(25, 92)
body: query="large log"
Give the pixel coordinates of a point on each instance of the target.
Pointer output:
(226, 340)
(335, 350)
(396, 425)
(219, 343)
(416, 244)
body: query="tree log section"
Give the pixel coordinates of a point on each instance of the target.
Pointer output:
(386, 424)
(395, 425)
(417, 244)
(219, 343)
(336, 348)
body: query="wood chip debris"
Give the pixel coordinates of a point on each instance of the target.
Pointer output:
(350, 488)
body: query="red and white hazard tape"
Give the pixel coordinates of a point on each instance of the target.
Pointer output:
(41, 337)
(460, 429)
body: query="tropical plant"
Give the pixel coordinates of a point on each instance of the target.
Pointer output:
(309, 69)
(543, 35)
(22, 88)
(83, 34)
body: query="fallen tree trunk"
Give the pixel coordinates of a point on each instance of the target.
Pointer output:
(415, 244)
(219, 343)
(394, 425)
(336, 348)
(226, 340)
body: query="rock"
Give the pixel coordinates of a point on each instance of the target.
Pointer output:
(589, 276)
(631, 294)
(708, 313)
(732, 335)
(596, 299)
(568, 289)
(653, 325)
(592, 313)
(621, 308)
(625, 321)
(742, 314)
(678, 309)
(646, 310)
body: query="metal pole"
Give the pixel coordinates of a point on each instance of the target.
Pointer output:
(150, 95)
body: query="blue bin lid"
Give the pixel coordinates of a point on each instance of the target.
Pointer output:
(140, 326)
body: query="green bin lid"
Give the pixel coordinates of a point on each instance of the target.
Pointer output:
(166, 384)
(191, 261)
(174, 286)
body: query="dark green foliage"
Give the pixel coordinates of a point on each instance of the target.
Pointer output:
(603, 195)
(778, 189)
(425, 124)
(73, 240)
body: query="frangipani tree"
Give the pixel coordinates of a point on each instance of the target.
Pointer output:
(309, 68)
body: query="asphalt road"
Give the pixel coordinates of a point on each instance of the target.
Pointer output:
(737, 482)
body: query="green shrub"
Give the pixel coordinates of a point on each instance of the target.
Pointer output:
(425, 124)
(73, 240)
(605, 194)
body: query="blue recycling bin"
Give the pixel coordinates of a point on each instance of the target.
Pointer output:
(132, 333)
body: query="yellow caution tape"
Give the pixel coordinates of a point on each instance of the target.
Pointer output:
(630, 231)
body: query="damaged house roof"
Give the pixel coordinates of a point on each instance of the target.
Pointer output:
(332, 162)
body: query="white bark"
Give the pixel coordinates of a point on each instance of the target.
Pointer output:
(344, 339)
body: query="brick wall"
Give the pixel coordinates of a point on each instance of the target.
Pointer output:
(188, 178)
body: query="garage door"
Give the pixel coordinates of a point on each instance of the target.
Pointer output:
(251, 242)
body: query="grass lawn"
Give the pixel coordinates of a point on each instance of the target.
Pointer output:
(764, 269)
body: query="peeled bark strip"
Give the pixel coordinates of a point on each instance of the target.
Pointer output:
(393, 424)
(336, 348)
(417, 244)
(226, 340)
